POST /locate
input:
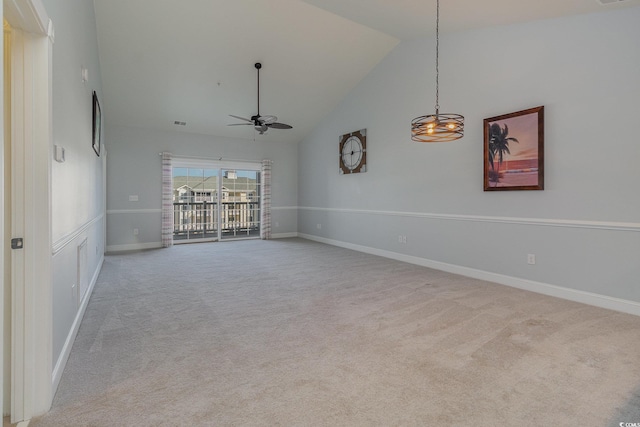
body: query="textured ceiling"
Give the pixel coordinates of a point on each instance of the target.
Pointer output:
(192, 60)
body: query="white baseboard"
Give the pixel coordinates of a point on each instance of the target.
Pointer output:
(134, 247)
(68, 344)
(284, 235)
(156, 245)
(603, 301)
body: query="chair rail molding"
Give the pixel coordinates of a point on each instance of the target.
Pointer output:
(543, 222)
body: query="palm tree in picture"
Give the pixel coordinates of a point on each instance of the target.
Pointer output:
(498, 147)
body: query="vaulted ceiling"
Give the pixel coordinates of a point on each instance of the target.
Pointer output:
(193, 60)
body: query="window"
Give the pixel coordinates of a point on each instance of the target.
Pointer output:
(198, 212)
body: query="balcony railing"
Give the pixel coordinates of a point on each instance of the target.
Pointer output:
(196, 220)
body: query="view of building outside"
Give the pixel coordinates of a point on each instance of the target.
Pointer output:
(215, 203)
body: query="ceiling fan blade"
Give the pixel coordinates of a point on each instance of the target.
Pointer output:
(267, 120)
(279, 126)
(240, 118)
(240, 124)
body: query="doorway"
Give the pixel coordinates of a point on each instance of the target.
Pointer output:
(28, 40)
(215, 202)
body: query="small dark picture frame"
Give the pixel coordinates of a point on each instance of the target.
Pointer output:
(97, 124)
(514, 151)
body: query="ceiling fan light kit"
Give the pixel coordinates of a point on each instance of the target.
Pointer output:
(260, 123)
(437, 127)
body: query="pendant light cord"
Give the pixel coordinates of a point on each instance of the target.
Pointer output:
(437, 56)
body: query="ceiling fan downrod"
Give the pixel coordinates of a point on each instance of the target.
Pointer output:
(258, 66)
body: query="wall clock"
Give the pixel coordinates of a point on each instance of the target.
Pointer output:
(353, 152)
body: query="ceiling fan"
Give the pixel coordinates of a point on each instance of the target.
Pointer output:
(260, 123)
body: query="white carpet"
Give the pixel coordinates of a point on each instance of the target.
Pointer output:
(293, 332)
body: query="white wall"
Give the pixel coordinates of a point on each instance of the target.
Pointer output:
(584, 227)
(77, 184)
(134, 168)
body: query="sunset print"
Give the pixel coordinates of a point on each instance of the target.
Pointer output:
(512, 151)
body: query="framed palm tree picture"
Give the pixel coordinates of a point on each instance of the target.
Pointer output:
(97, 125)
(514, 151)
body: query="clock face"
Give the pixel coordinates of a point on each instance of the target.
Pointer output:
(353, 152)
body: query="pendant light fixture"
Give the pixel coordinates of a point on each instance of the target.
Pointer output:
(437, 127)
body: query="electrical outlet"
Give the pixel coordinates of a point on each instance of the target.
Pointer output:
(277, 224)
(399, 238)
(319, 226)
(531, 259)
(404, 239)
(136, 231)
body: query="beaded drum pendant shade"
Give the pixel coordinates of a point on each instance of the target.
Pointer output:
(437, 127)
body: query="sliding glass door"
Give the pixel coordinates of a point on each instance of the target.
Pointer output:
(195, 203)
(240, 204)
(215, 203)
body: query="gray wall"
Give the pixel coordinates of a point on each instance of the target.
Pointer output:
(134, 168)
(77, 184)
(584, 227)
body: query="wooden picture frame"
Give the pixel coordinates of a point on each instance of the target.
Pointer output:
(97, 125)
(353, 152)
(514, 151)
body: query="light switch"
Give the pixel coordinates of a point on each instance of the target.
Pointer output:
(133, 198)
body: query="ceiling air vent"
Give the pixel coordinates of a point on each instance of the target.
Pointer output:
(606, 2)
(179, 123)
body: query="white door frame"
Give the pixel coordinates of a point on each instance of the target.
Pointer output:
(6, 281)
(31, 134)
